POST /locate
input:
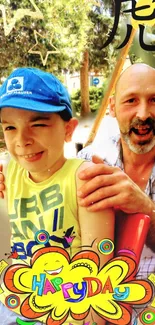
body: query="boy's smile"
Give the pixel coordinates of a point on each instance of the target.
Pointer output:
(36, 140)
(33, 156)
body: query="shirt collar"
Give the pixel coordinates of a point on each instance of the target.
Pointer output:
(112, 153)
(152, 177)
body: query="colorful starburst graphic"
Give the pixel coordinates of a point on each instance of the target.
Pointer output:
(55, 286)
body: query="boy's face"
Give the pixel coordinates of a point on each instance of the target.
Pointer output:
(36, 140)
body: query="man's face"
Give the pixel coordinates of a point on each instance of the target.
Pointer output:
(35, 140)
(135, 108)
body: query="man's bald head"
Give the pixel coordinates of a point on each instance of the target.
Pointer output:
(140, 69)
(134, 107)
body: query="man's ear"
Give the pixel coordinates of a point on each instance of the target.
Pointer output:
(112, 106)
(70, 127)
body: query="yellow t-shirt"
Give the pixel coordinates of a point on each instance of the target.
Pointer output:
(42, 215)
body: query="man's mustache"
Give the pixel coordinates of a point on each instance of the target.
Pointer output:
(138, 122)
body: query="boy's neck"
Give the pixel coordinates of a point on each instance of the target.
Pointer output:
(42, 176)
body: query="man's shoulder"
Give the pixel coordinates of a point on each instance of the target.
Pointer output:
(86, 153)
(108, 150)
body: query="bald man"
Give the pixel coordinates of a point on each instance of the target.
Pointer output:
(128, 181)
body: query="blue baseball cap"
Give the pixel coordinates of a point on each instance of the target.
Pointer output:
(34, 89)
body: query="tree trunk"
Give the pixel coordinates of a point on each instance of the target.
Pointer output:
(112, 9)
(84, 84)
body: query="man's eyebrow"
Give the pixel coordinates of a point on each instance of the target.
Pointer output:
(129, 94)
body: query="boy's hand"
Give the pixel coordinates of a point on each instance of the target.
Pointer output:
(2, 186)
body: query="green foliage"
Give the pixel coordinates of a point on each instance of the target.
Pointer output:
(137, 54)
(64, 25)
(101, 58)
(95, 96)
(68, 25)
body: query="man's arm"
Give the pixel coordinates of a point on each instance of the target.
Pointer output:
(95, 227)
(109, 187)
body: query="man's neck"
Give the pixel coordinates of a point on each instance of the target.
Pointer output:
(138, 167)
(137, 160)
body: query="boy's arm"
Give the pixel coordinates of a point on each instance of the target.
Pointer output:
(4, 161)
(95, 227)
(2, 185)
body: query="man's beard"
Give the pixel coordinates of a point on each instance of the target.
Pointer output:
(143, 146)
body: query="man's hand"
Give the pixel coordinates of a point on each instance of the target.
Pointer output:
(110, 187)
(2, 186)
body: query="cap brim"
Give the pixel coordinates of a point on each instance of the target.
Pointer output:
(33, 105)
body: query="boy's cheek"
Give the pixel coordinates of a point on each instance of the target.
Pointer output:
(8, 138)
(8, 145)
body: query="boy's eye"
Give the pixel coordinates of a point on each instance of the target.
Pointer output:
(153, 99)
(8, 128)
(41, 124)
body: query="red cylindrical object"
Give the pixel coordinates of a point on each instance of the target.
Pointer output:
(131, 235)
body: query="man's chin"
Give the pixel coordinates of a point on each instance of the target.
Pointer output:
(141, 147)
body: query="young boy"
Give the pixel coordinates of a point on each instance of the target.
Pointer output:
(41, 184)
